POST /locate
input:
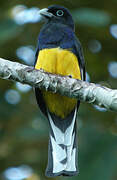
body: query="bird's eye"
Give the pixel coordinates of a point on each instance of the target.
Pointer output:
(59, 13)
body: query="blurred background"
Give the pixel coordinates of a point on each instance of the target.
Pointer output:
(23, 129)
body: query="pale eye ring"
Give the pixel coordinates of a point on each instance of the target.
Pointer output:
(59, 13)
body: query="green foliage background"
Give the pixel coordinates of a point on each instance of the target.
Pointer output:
(24, 130)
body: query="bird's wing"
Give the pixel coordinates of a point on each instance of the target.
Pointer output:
(38, 93)
(79, 53)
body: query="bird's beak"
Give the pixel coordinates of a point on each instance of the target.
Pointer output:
(44, 13)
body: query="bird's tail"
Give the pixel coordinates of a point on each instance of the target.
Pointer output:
(62, 151)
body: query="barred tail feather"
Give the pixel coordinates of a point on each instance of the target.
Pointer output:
(62, 151)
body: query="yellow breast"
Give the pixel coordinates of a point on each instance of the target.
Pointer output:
(63, 62)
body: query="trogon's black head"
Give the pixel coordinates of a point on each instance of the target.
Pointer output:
(57, 14)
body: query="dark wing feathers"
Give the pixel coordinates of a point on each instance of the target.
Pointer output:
(38, 93)
(40, 101)
(79, 53)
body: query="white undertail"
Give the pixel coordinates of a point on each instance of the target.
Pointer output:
(62, 140)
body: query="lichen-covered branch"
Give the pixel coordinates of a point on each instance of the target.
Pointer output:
(84, 91)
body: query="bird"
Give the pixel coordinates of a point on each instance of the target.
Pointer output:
(59, 52)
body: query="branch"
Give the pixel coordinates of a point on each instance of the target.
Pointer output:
(84, 91)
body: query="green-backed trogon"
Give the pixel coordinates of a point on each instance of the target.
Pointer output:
(60, 52)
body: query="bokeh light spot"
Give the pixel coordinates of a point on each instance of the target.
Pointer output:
(12, 96)
(94, 46)
(27, 54)
(23, 87)
(113, 30)
(22, 15)
(98, 108)
(36, 123)
(18, 173)
(112, 68)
